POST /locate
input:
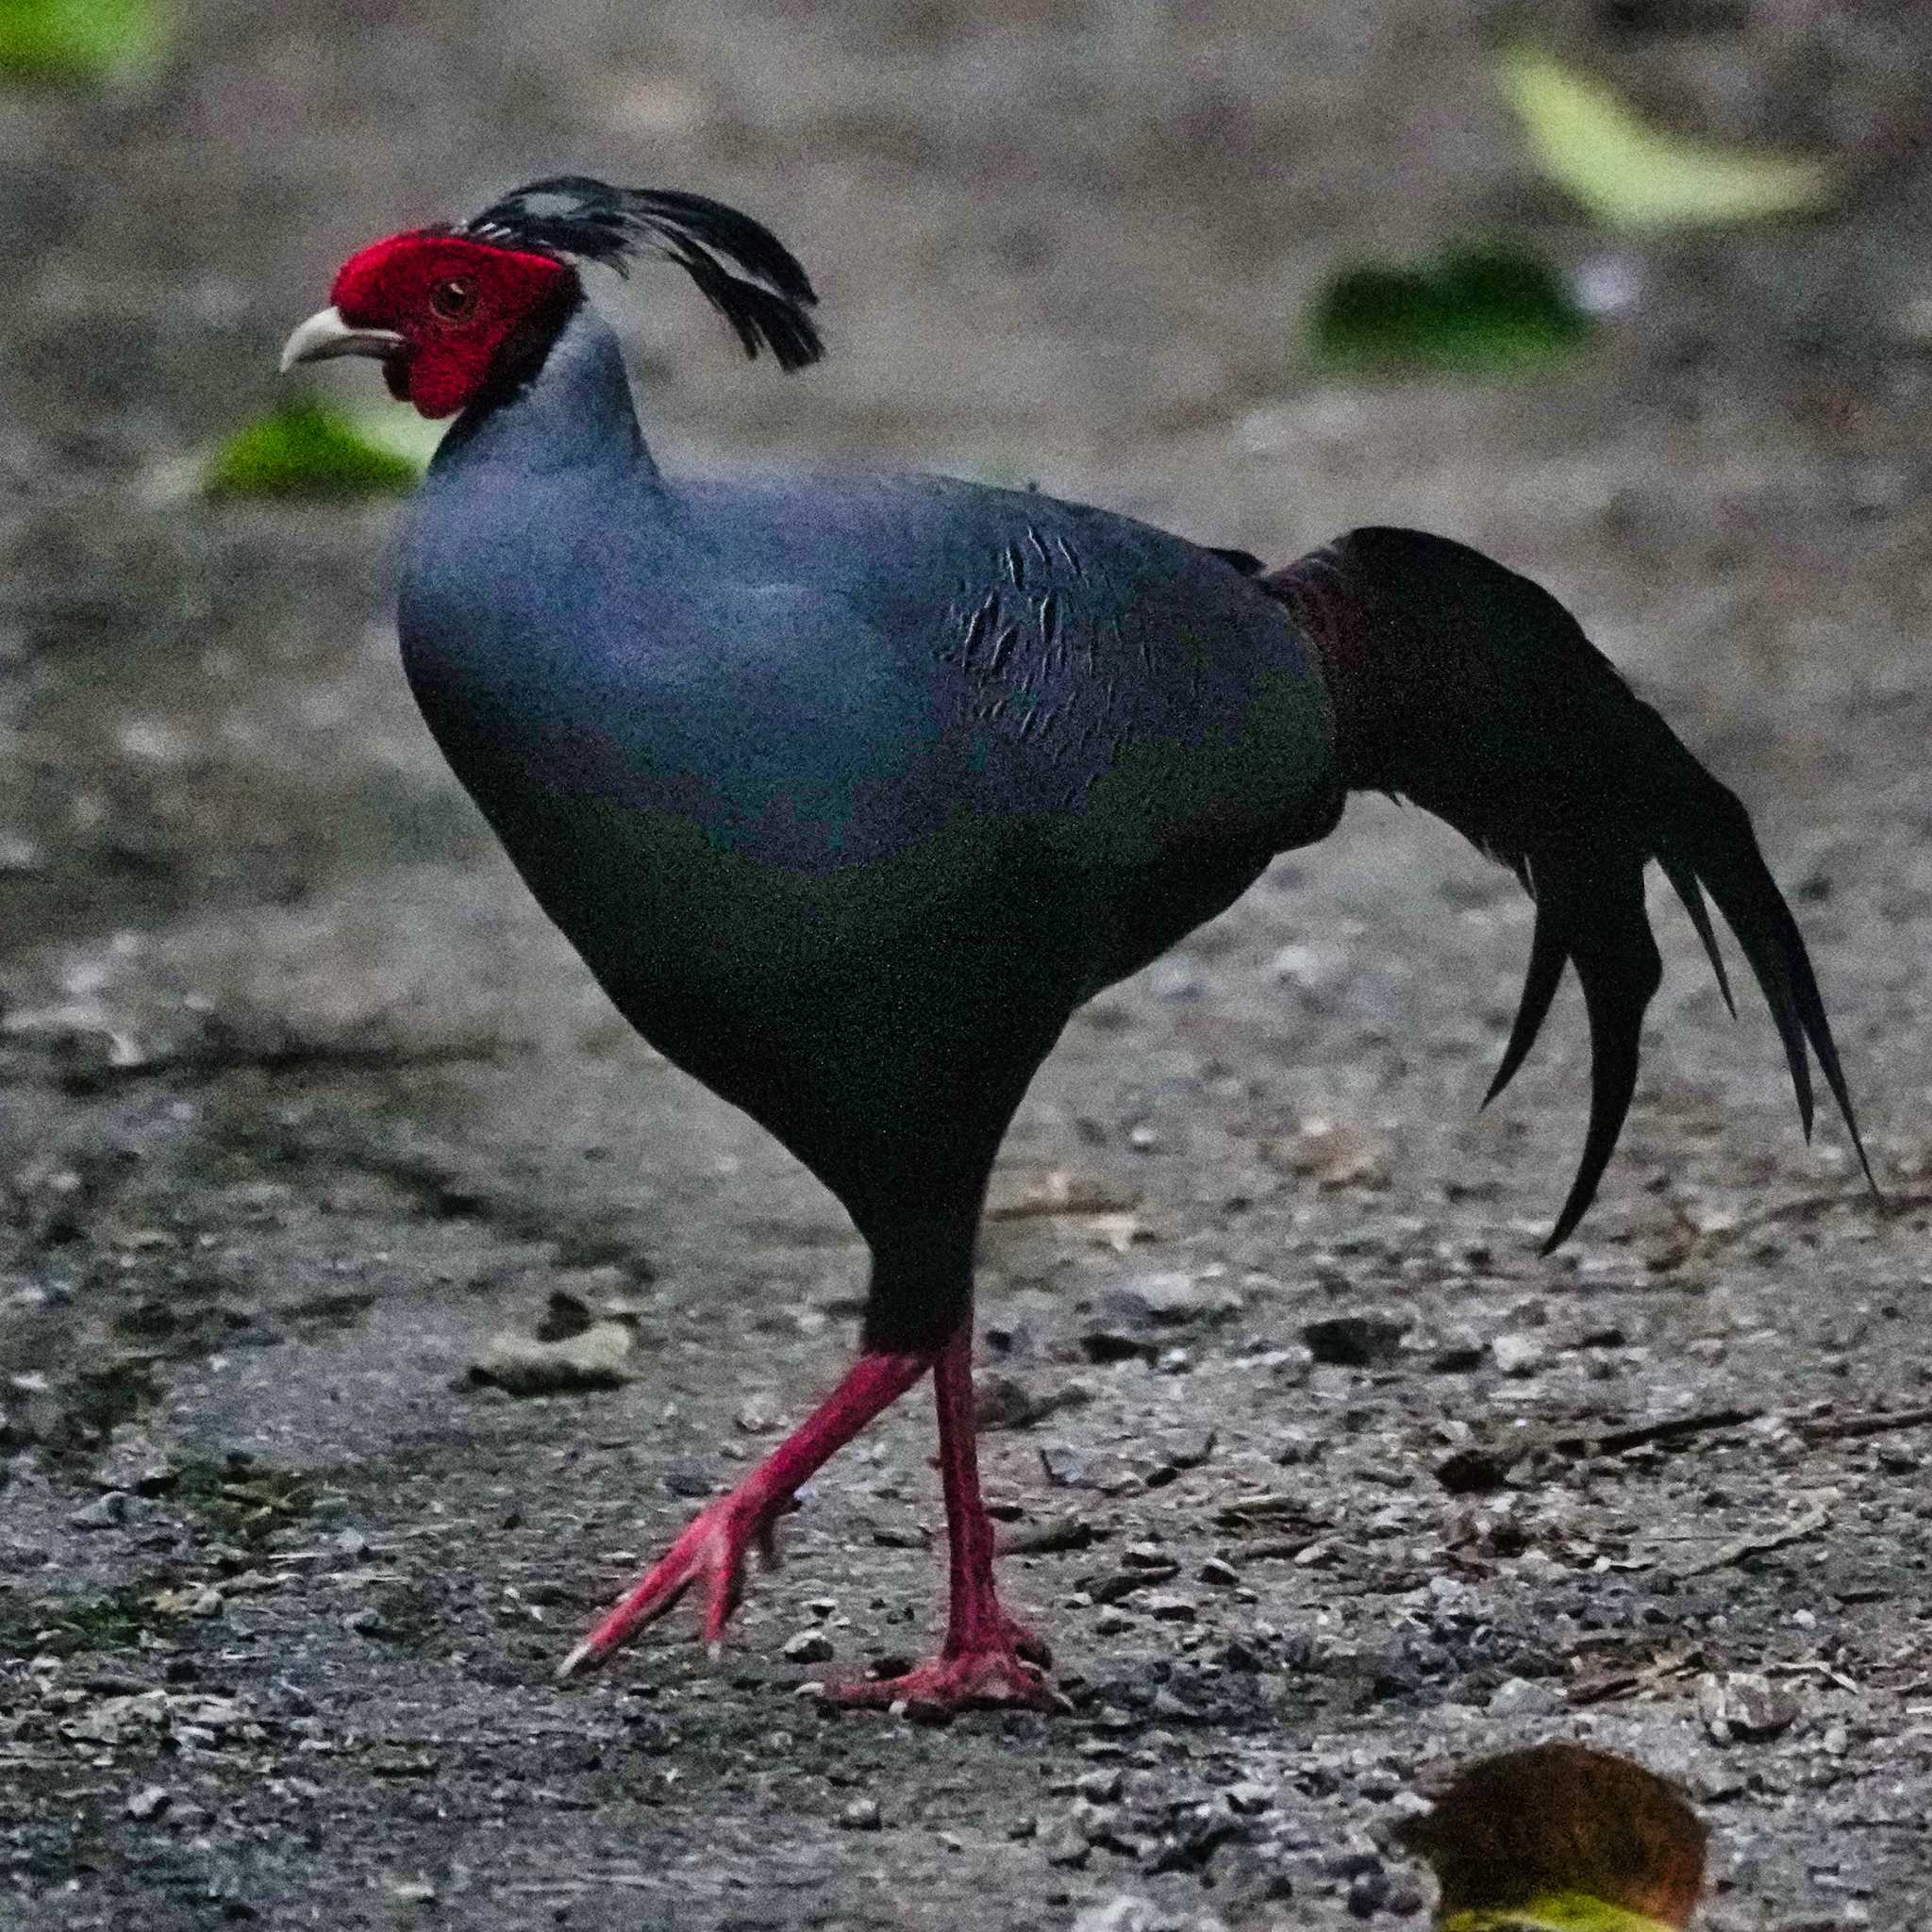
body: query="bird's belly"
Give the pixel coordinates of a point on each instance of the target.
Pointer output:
(873, 1017)
(832, 912)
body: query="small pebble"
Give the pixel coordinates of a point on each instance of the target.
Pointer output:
(1522, 1697)
(687, 1478)
(808, 1647)
(1404, 1899)
(1519, 1356)
(1742, 1704)
(1169, 1609)
(1355, 1341)
(1068, 1847)
(104, 1512)
(20, 854)
(863, 1814)
(1368, 1893)
(1125, 1913)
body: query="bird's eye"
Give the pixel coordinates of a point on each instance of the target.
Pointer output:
(453, 299)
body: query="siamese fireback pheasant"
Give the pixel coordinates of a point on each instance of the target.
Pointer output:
(849, 791)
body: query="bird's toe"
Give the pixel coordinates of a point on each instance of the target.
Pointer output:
(993, 1678)
(711, 1552)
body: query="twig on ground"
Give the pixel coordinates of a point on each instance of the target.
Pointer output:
(1639, 1434)
(1850, 1428)
(1757, 1543)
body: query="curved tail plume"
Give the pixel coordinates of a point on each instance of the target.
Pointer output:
(1472, 691)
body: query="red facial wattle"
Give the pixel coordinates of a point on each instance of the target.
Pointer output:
(454, 302)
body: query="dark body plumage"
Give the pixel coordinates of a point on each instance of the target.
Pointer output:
(850, 792)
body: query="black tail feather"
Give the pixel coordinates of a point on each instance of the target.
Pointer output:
(1467, 687)
(1719, 844)
(1548, 956)
(1621, 972)
(1685, 883)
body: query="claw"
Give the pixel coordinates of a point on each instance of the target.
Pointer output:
(999, 1663)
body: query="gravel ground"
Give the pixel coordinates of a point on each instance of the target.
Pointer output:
(1316, 1475)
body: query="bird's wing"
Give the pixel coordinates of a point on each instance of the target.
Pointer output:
(1137, 695)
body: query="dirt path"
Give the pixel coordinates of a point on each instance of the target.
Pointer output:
(303, 1105)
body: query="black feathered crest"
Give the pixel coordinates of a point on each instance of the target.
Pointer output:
(764, 293)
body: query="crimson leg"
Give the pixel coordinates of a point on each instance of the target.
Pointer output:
(712, 1548)
(987, 1657)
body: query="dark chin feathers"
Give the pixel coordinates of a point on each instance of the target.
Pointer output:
(743, 270)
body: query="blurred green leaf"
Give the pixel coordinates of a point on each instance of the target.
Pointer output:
(400, 431)
(1475, 309)
(1558, 1911)
(306, 450)
(78, 40)
(1630, 175)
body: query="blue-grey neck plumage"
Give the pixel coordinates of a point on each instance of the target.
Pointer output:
(575, 413)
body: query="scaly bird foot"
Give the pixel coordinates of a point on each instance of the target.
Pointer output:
(710, 1553)
(997, 1677)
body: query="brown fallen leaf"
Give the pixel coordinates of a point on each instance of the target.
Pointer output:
(1059, 1191)
(1332, 1154)
(1561, 1837)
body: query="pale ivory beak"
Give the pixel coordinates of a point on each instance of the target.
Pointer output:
(326, 335)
